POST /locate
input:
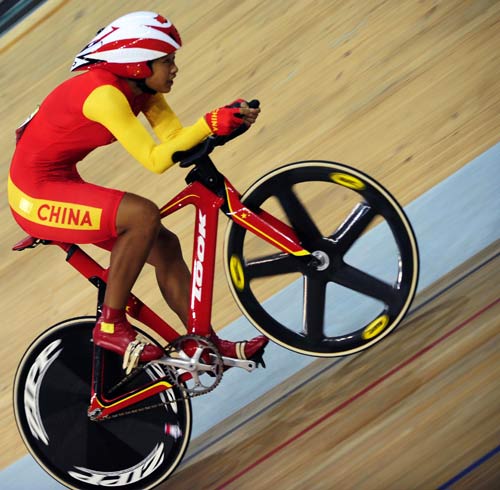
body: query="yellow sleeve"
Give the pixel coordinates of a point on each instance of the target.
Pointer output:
(162, 118)
(109, 107)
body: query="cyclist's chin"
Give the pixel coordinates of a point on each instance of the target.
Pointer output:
(167, 87)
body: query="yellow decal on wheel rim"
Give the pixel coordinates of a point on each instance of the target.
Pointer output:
(348, 181)
(237, 274)
(375, 327)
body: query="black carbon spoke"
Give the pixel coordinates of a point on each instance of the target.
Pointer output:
(271, 265)
(314, 308)
(353, 226)
(298, 215)
(366, 284)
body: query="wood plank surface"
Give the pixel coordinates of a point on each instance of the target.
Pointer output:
(407, 91)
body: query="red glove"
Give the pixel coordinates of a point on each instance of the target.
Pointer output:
(224, 120)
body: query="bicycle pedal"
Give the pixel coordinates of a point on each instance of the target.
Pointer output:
(132, 356)
(246, 364)
(258, 358)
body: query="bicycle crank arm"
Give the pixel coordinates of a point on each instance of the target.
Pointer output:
(191, 366)
(187, 365)
(239, 363)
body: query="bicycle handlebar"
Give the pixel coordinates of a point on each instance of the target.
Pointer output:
(189, 157)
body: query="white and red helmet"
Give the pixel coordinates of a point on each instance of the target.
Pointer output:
(126, 45)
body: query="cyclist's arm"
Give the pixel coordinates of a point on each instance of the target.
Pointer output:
(109, 107)
(163, 120)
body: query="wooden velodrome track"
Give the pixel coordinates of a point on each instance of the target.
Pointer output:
(407, 91)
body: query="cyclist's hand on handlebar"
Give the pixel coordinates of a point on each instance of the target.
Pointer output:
(248, 114)
(224, 120)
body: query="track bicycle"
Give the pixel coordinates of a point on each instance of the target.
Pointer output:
(319, 257)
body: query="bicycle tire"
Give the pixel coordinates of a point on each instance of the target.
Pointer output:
(377, 304)
(51, 397)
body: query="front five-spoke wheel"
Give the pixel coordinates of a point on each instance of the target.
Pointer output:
(357, 281)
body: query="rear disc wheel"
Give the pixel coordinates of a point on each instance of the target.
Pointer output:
(51, 398)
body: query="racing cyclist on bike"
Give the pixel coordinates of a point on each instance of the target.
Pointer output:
(128, 66)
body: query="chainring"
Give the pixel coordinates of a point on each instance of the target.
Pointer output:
(207, 360)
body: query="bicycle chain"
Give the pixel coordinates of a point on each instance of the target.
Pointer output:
(137, 371)
(143, 409)
(148, 407)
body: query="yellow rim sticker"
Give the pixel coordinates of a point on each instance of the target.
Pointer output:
(237, 274)
(377, 326)
(348, 181)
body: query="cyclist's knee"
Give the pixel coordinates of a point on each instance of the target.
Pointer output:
(150, 216)
(138, 213)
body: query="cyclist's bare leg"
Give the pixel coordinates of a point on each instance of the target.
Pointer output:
(172, 272)
(137, 224)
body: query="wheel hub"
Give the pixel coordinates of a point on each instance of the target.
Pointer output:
(321, 260)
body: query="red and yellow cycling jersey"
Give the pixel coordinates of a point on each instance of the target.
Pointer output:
(47, 195)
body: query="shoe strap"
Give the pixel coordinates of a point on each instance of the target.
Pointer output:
(240, 349)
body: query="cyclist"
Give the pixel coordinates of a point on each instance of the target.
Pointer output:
(128, 66)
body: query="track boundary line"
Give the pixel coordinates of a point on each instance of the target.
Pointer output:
(470, 468)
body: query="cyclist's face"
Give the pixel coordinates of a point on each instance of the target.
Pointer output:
(164, 72)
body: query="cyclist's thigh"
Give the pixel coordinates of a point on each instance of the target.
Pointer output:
(72, 211)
